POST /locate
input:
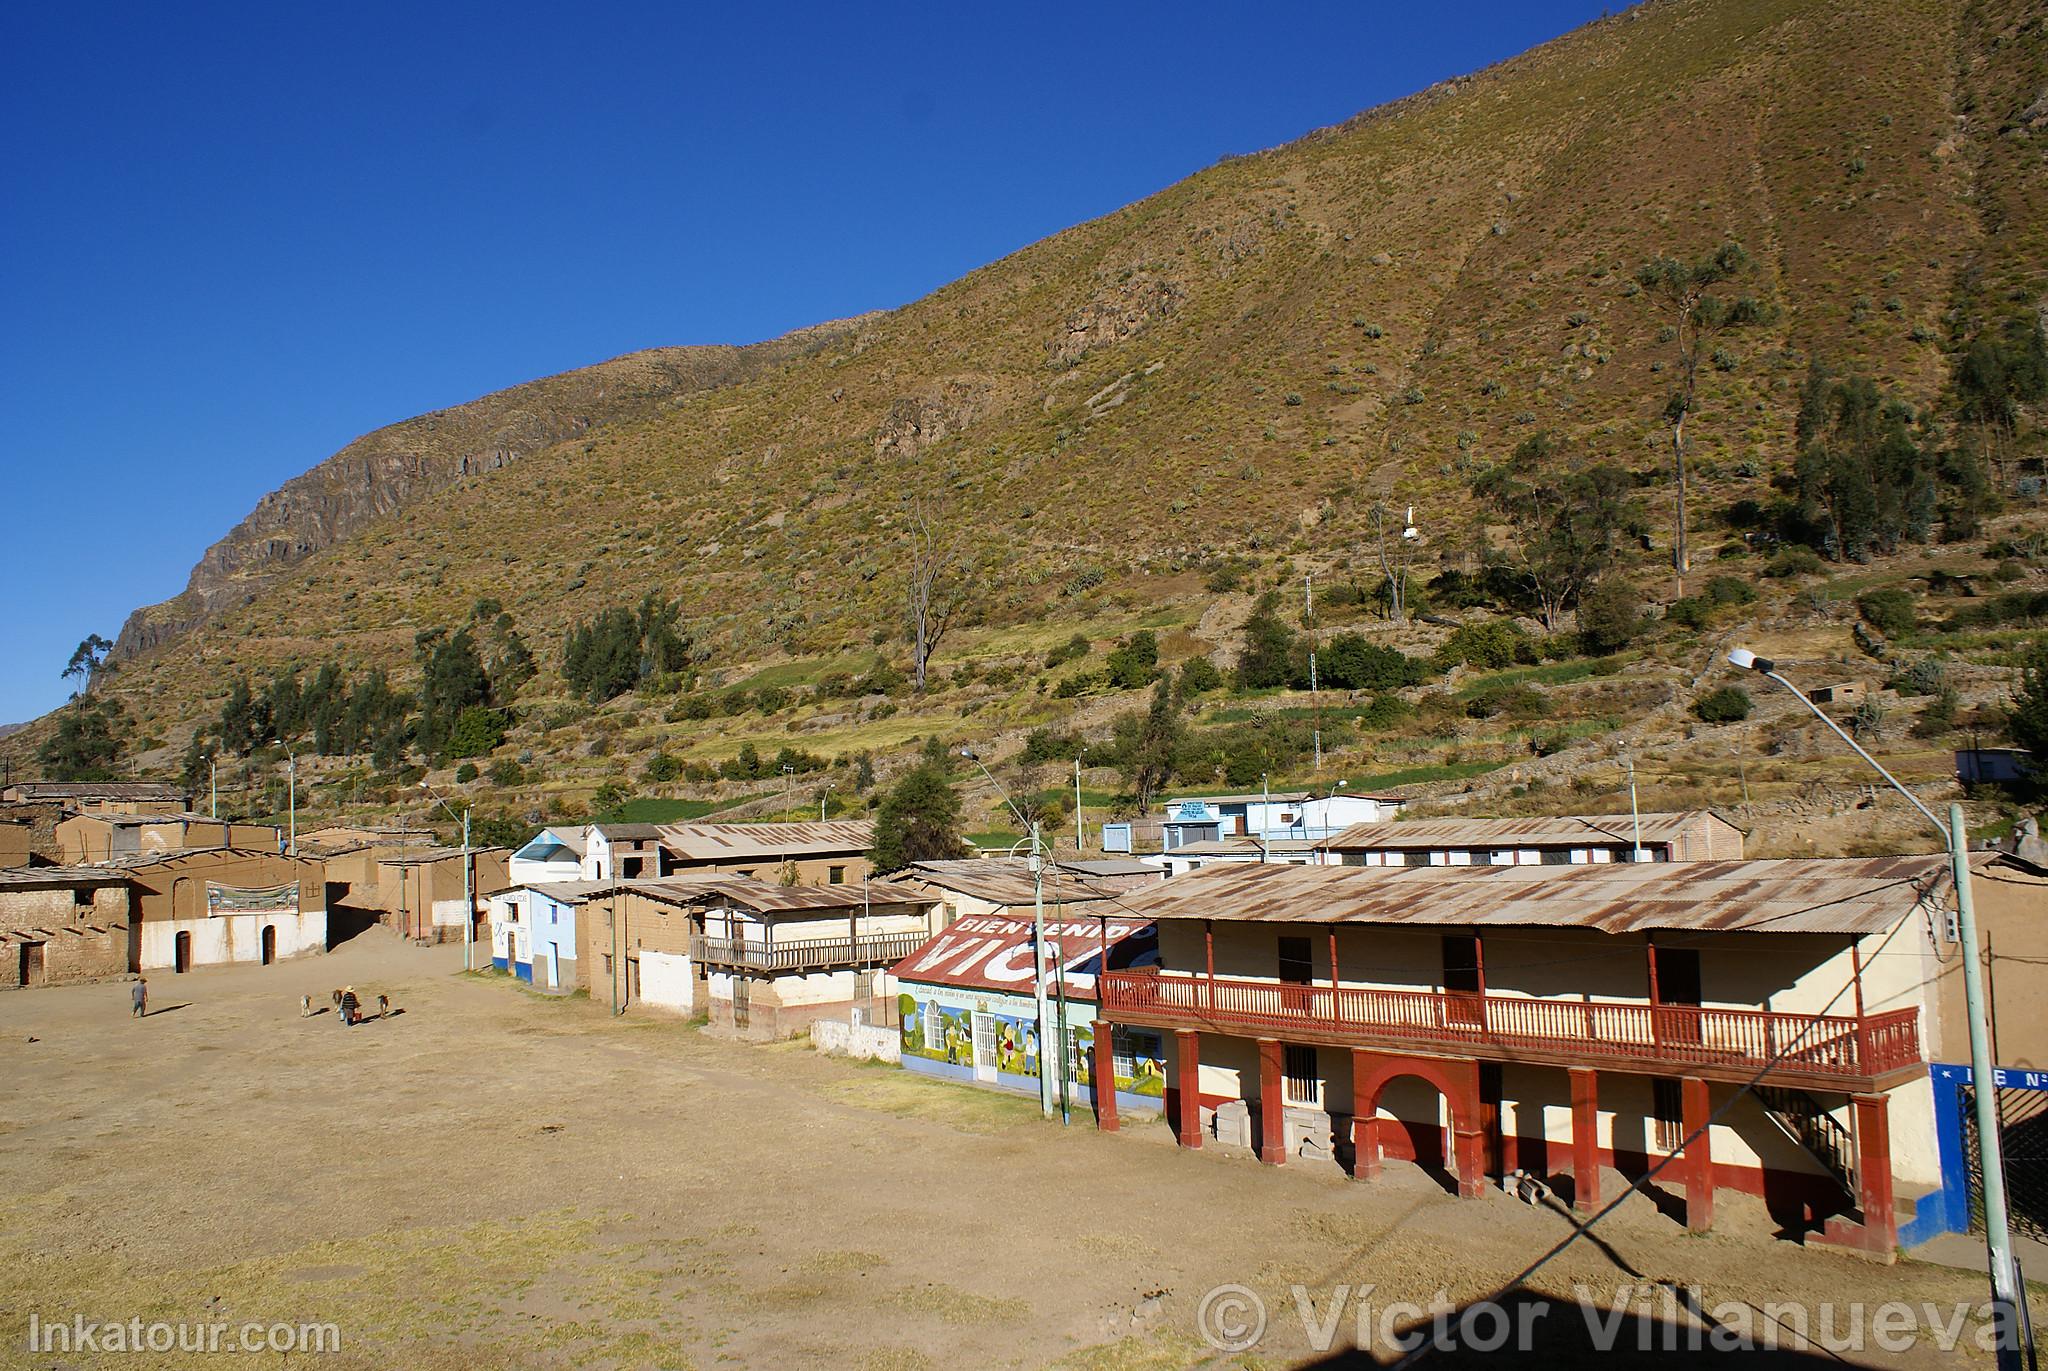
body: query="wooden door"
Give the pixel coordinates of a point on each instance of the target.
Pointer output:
(181, 953)
(269, 949)
(1463, 1005)
(32, 966)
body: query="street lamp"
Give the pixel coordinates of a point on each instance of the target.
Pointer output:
(1037, 863)
(292, 791)
(468, 882)
(1990, 1144)
(824, 798)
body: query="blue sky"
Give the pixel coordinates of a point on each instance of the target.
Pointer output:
(233, 238)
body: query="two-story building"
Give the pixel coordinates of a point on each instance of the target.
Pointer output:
(1298, 815)
(553, 854)
(832, 852)
(1748, 1024)
(1692, 835)
(533, 932)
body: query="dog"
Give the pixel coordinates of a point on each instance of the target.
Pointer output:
(305, 1005)
(383, 1006)
(337, 998)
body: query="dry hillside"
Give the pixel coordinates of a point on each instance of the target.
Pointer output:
(1146, 419)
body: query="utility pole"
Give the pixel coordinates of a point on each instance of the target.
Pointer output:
(213, 772)
(787, 772)
(1045, 1058)
(1080, 847)
(1634, 814)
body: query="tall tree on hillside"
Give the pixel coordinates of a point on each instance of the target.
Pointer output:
(1690, 296)
(1568, 525)
(2027, 719)
(87, 743)
(933, 588)
(87, 661)
(918, 821)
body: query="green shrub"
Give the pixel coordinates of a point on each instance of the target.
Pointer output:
(661, 768)
(1611, 615)
(466, 773)
(478, 731)
(1692, 612)
(1488, 645)
(1072, 650)
(505, 771)
(2010, 570)
(1729, 590)
(1727, 705)
(1889, 610)
(1199, 675)
(1793, 561)
(1515, 701)
(1135, 661)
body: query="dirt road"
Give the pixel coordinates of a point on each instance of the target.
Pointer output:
(491, 1178)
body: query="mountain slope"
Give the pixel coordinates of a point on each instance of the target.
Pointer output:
(1237, 368)
(393, 468)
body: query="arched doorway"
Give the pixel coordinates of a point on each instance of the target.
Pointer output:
(1457, 1081)
(269, 953)
(181, 952)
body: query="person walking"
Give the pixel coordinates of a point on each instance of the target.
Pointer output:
(350, 1006)
(138, 998)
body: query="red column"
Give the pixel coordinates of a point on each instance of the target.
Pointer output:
(1272, 1109)
(1874, 1174)
(1365, 1124)
(1105, 1075)
(1585, 1139)
(1187, 1066)
(1699, 1157)
(1468, 1131)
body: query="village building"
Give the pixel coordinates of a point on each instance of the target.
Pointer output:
(1560, 1021)
(1194, 856)
(1001, 886)
(533, 932)
(832, 852)
(1297, 815)
(64, 926)
(101, 797)
(967, 1007)
(105, 836)
(553, 854)
(1692, 835)
(421, 892)
(762, 960)
(214, 906)
(17, 843)
(2011, 903)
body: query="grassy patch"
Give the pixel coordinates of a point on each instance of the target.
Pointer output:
(971, 1109)
(1422, 775)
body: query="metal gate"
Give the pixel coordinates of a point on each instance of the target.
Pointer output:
(2024, 1116)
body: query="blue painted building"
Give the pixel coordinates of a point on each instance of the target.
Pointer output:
(533, 933)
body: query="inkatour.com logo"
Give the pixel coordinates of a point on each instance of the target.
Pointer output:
(78, 1334)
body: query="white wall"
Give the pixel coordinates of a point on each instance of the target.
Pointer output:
(232, 938)
(668, 981)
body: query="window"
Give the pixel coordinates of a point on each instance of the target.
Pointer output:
(630, 868)
(1352, 859)
(1302, 1085)
(1415, 859)
(1297, 966)
(835, 875)
(81, 896)
(1667, 1113)
(1461, 963)
(1556, 856)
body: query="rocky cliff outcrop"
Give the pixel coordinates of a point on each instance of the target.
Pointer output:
(383, 472)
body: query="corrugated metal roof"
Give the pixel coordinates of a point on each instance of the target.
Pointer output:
(763, 898)
(993, 952)
(1779, 895)
(741, 842)
(98, 790)
(1536, 831)
(435, 854)
(59, 877)
(1007, 881)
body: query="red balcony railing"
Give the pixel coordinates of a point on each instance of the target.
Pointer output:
(1514, 1025)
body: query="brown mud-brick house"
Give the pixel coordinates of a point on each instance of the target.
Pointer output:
(17, 842)
(420, 891)
(106, 837)
(64, 926)
(214, 906)
(101, 797)
(763, 960)
(832, 852)
(1562, 1022)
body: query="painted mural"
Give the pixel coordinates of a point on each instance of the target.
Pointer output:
(937, 1025)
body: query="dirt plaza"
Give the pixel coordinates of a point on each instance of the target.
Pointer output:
(491, 1178)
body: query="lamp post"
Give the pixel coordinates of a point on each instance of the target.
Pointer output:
(468, 883)
(2005, 1288)
(291, 791)
(824, 798)
(1037, 864)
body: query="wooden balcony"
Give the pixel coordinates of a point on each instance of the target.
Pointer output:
(822, 954)
(1827, 1052)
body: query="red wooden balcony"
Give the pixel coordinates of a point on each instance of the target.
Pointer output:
(1828, 1052)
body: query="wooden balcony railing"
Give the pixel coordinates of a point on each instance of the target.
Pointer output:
(822, 954)
(1516, 1027)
